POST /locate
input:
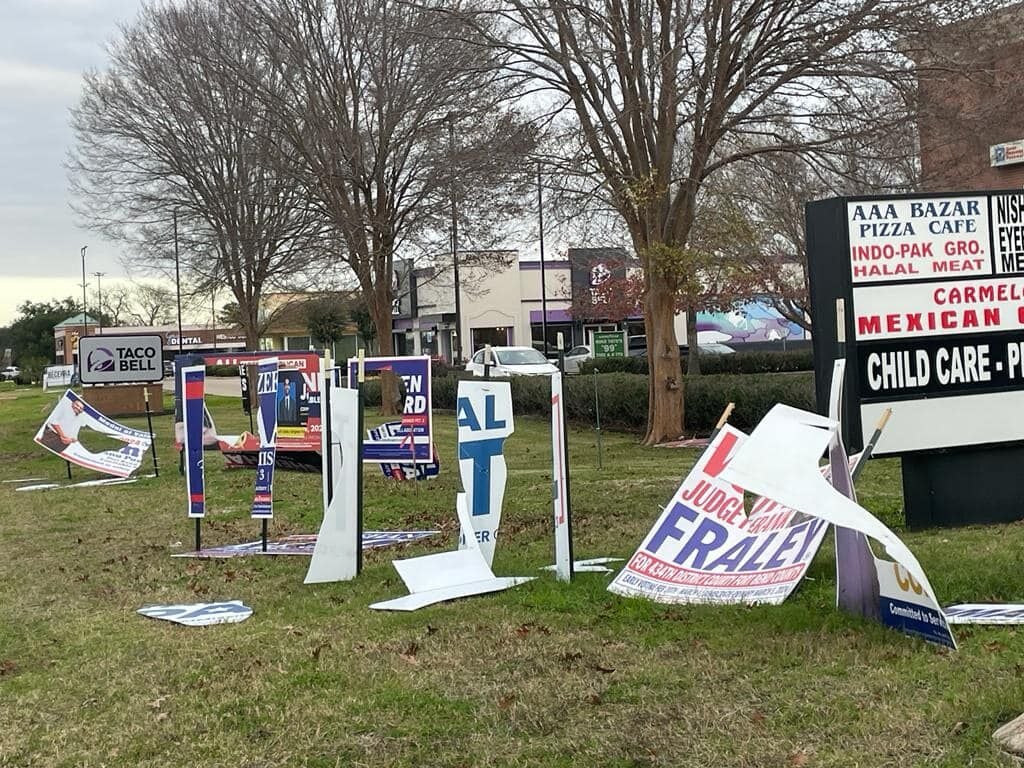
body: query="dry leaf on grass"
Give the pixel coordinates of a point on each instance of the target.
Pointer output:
(409, 654)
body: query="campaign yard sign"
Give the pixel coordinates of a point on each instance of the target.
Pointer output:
(60, 434)
(266, 424)
(193, 378)
(297, 403)
(200, 614)
(416, 437)
(484, 418)
(704, 548)
(393, 434)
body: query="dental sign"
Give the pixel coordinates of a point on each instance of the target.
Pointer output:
(120, 359)
(938, 317)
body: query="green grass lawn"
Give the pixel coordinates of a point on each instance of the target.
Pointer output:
(546, 674)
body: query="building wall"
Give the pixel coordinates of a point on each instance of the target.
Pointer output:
(969, 87)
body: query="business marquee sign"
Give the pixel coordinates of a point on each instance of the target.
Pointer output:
(120, 359)
(934, 313)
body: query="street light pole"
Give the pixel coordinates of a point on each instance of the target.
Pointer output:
(455, 241)
(177, 276)
(543, 282)
(99, 299)
(85, 317)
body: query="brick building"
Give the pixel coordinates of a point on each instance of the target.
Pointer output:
(971, 121)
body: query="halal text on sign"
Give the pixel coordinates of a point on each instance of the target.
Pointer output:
(120, 359)
(938, 316)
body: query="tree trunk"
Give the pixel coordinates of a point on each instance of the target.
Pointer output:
(380, 313)
(665, 382)
(693, 356)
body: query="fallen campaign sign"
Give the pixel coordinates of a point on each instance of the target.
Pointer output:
(392, 434)
(985, 613)
(199, 614)
(779, 459)
(60, 435)
(705, 549)
(305, 543)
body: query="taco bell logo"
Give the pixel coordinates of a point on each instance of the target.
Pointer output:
(100, 360)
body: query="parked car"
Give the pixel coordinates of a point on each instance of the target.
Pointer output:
(713, 348)
(575, 356)
(512, 361)
(10, 373)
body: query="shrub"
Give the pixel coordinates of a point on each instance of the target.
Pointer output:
(222, 370)
(623, 397)
(741, 362)
(31, 370)
(615, 365)
(759, 362)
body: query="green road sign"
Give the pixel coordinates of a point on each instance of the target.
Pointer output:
(609, 344)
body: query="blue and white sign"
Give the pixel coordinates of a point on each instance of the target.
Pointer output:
(416, 438)
(59, 434)
(200, 614)
(905, 605)
(484, 418)
(266, 423)
(193, 411)
(985, 613)
(393, 433)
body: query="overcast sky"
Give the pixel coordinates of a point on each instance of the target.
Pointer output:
(45, 45)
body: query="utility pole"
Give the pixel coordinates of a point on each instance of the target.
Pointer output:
(543, 282)
(177, 276)
(85, 316)
(99, 299)
(455, 241)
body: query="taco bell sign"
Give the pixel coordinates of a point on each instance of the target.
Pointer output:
(120, 359)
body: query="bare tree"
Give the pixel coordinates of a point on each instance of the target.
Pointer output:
(665, 94)
(775, 188)
(176, 155)
(400, 119)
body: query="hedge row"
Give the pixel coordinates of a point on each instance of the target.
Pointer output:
(741, 362)
(623, 398)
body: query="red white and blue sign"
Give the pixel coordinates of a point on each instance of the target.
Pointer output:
(194, 378)
(392, 433)
(416, 437)
(266, 424)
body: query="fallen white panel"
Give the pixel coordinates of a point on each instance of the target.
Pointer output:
(448, 575)
(985, 613)
(200, 614)
(780, 460)
(591, 565)
(335, 555)
(423, 599)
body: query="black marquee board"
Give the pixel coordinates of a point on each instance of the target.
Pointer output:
(932, 292)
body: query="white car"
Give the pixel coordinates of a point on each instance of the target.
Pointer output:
(10, 373)
(575, 356)
(512, 361)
